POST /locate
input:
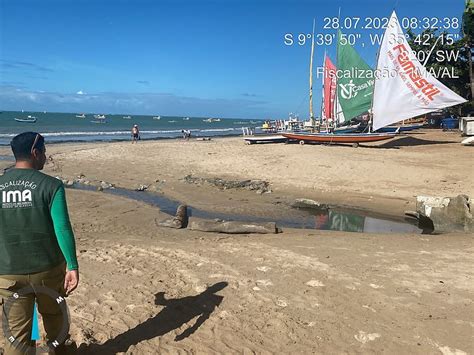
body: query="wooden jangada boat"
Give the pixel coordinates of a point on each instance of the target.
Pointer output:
(413, 91)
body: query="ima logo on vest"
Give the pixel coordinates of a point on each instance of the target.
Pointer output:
(17, 198)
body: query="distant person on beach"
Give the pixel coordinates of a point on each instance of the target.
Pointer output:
(37, 248)
(135, 134)
(186, 134)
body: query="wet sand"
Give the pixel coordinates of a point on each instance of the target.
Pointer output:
(146, 289)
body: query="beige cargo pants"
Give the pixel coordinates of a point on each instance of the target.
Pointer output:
(20, 314)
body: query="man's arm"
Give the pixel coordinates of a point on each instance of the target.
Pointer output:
(65, 237)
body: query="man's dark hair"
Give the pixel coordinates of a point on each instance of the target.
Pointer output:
(22, 144)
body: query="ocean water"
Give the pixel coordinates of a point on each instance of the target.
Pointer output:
(66, 127)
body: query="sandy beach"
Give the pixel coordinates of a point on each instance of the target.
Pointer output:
(146, 289)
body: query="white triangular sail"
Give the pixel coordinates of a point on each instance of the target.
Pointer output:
(403, 87)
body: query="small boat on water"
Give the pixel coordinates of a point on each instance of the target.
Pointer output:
(185, 118)
(209, 120)
(127, 117)
(157, 117)
(100, 117)
(29, 119)
(81, 116)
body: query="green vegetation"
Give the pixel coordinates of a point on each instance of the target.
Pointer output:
(451, 57)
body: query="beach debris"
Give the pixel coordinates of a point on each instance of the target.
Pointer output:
(259, 186)
(142, 188)
(81, 179)
(307, 203)
(178, 221)
(52, 162)
(231, 227)
(376, 286)
(369, 308)
(364, 337)
(156, 186)
(315, 283)
(106, 185)
(264, 283)
(66, 182)
(445, 213)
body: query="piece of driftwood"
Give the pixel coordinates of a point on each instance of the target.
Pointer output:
(178, 221)
(231, 227)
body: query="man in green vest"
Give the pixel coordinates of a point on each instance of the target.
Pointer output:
(37, 248)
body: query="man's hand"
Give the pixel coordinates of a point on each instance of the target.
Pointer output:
(71, 281)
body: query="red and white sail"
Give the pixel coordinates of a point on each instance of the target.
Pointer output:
(403, 87)
(329, 93)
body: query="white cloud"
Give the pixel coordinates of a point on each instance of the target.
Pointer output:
(138, 103)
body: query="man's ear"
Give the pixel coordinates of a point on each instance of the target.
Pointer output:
(35, 153)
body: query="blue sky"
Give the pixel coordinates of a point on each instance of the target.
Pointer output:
(221, 58)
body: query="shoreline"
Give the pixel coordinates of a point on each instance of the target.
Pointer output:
(122, 140)
(364, 178)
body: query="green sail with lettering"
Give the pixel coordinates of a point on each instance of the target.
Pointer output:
(345, 222)
(355, 82)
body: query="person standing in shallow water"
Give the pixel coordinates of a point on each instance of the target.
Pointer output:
(37, 247)
(135, 134)
(186, 134)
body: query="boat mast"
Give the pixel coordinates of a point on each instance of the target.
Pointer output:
(323, 113)
(323, 108)
(371, 113)
(311, 114)
(335, 119)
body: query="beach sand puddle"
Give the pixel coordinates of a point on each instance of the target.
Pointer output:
(327, 219)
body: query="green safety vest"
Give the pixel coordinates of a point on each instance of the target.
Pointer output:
(28, 243)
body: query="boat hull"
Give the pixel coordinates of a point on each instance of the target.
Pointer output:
(339, 138)
(265, 139)
(403, 128)
(26, 120)
(468, 141)
(343, 130)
